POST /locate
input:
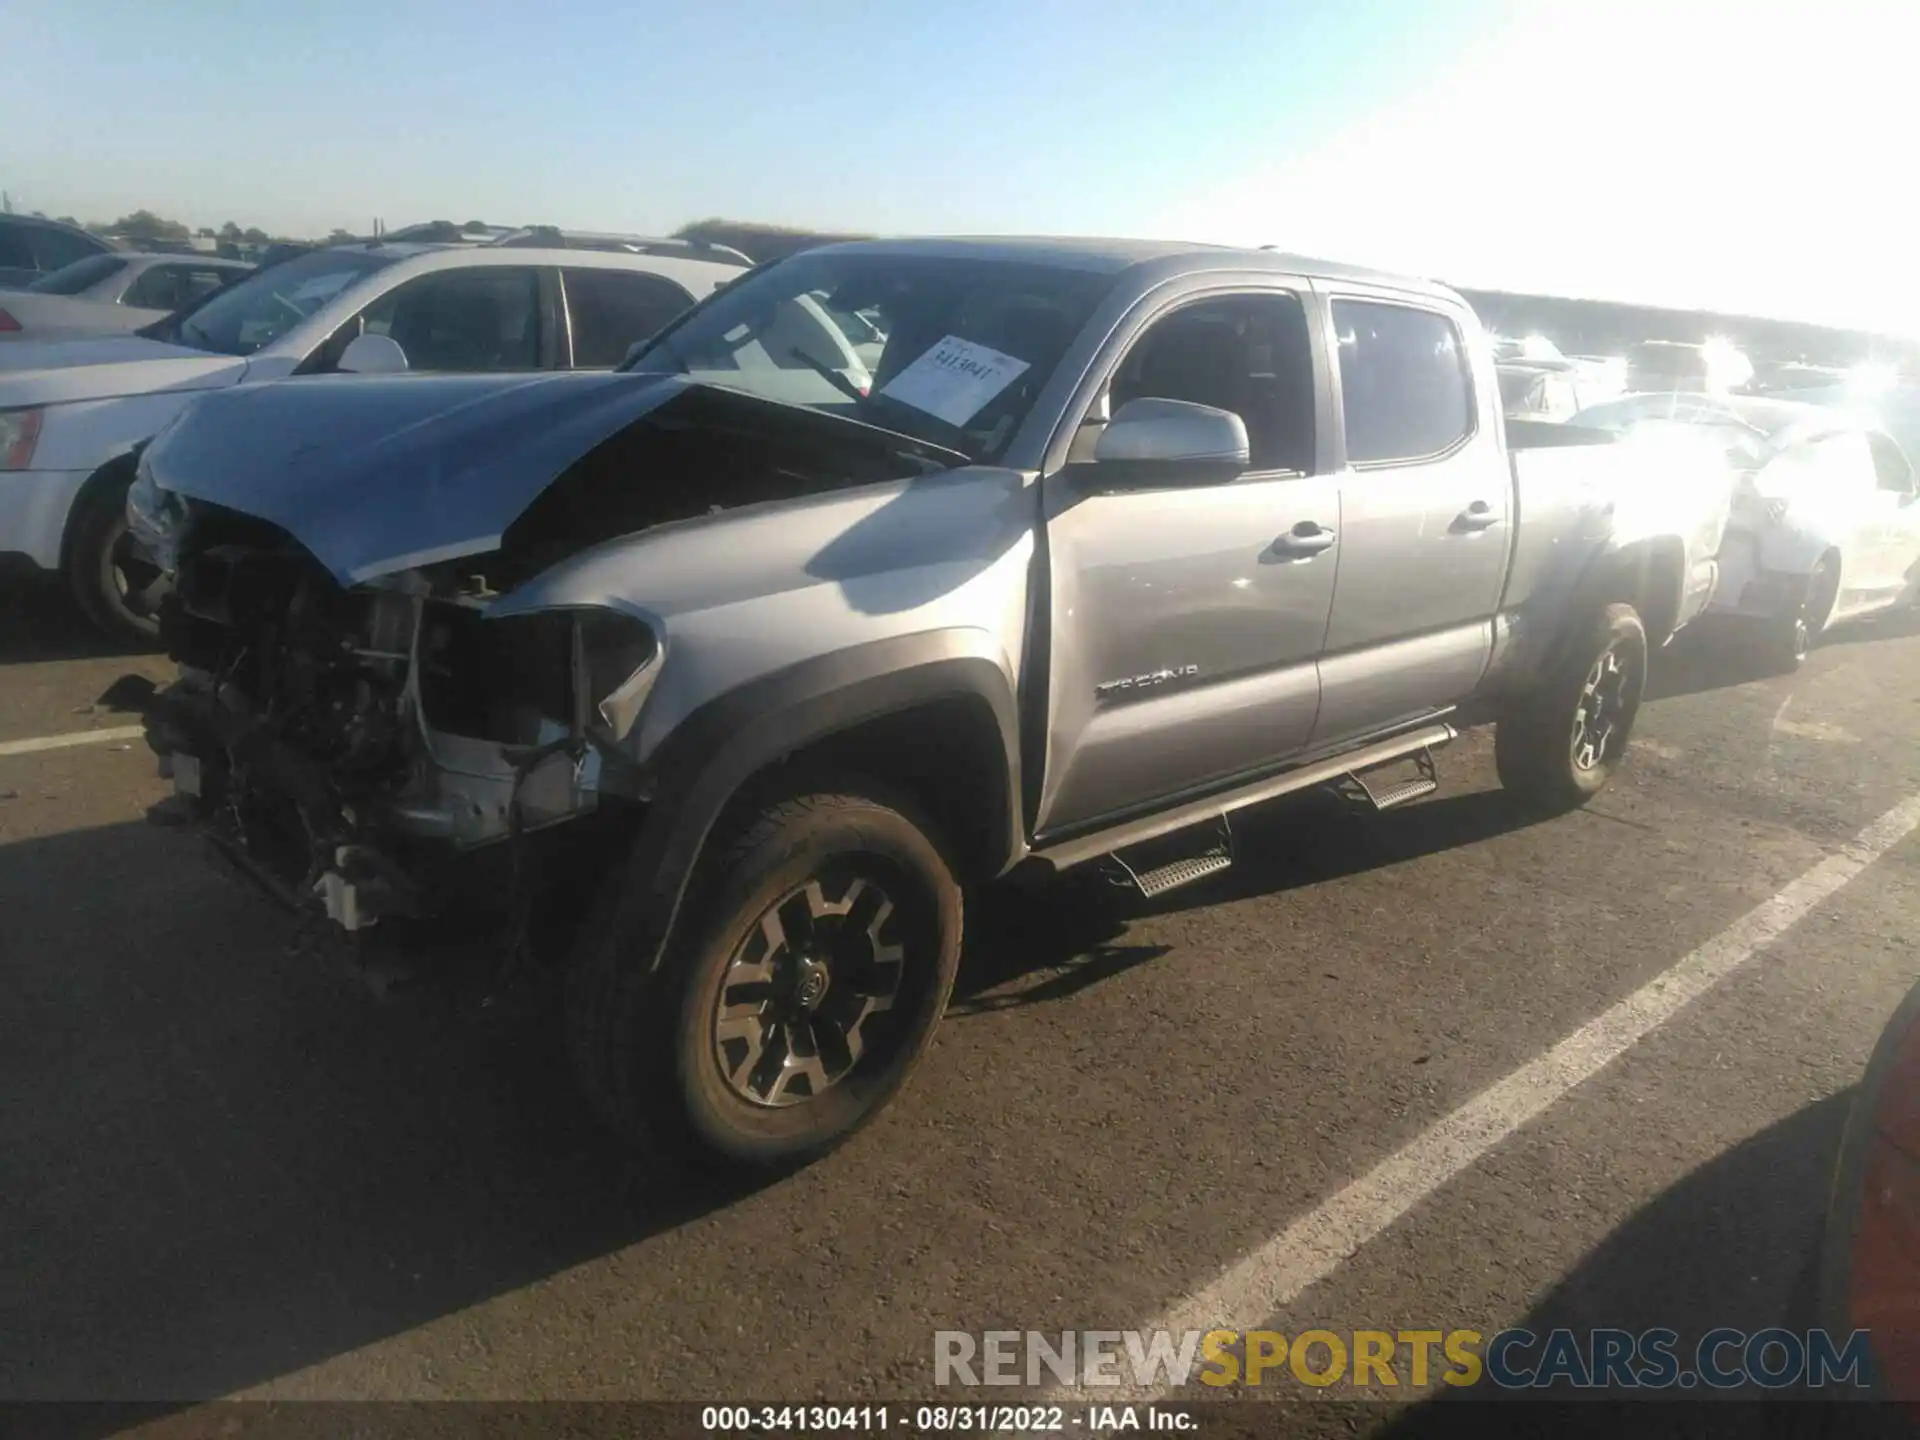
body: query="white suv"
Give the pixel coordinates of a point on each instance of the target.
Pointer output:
(73, 412)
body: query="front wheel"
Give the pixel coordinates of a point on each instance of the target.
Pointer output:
(1561, 742)
(814, 960)
(114, 581)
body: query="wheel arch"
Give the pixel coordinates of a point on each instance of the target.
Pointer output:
(1649, 575)
(930, 714)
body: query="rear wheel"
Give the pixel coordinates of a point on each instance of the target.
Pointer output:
(815, 957)
(114, 581)
(1561, 742)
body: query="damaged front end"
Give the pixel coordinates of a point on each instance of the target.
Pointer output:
(387, 750)
(397, 694)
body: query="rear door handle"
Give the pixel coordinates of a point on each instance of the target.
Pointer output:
(1306, 539)
(1477, 516)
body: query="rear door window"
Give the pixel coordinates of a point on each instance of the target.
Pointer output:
(464, 320)
(611, 309)
(1406, 391)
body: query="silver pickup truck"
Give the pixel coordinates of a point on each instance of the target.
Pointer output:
(781, 641)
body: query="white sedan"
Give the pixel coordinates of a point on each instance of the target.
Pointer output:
(1825, 524)
(109, 294)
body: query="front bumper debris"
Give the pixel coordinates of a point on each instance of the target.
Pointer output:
(425, 851)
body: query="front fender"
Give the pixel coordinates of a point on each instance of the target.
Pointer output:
(712, 755)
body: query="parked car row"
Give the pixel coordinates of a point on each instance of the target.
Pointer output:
(107, 294)
(73, 412)
(31, 246)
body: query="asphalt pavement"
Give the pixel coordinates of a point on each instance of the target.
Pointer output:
(225, 1170)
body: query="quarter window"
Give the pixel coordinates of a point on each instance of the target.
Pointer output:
(1406, 393)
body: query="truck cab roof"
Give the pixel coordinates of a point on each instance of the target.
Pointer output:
(1113, 256)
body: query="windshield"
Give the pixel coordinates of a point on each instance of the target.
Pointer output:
(949, 350)
(80, 275)
(241, 318)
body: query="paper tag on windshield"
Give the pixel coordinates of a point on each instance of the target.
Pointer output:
(954, 380)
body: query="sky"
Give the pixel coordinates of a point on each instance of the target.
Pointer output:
(1732, 156)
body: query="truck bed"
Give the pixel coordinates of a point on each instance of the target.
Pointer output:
(1574, 487)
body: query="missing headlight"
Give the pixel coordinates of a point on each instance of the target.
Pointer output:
(618, 663)
(512, 680)
(503, 680)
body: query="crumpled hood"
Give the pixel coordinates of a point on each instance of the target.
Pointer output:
(377, 474)
(57, 372)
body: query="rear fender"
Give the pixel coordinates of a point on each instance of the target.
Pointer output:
(1648, 574)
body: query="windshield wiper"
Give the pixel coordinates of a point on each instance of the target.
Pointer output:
(861, 400)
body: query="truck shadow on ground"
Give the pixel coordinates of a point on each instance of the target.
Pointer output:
(1031, 945)
(1703, 658)
(1698, 662)
(1732, 1244)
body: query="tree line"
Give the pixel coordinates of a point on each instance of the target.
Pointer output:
(761, 241)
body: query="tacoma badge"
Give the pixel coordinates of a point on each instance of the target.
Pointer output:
(1142, 682)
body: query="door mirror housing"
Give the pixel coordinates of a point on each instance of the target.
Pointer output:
(373, 355)
(1152, 441)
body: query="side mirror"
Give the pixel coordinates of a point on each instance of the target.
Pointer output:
(373, 355)
(1151, 442)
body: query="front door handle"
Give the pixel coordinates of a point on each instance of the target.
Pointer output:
(1476, 517)
(1305, 539)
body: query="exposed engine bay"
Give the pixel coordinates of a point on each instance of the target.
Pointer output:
(344, 746)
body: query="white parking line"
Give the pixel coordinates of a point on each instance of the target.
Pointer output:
(1255, 1288)
(62, 742)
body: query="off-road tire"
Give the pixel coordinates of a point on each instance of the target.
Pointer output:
(97, 529)
(644, 1047)
(1535, 741)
